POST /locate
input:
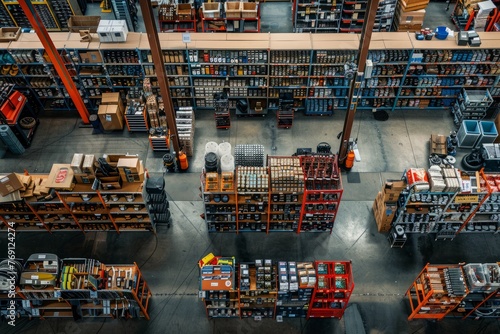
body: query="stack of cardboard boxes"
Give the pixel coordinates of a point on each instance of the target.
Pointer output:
(385, 205)
(410, 15)
(83, 167)
(111, 111)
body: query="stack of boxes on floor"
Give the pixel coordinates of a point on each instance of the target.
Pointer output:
(111, 111)
(385, 205)
(410, 15)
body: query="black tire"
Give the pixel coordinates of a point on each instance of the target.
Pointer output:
(27, 122)
(470, 166)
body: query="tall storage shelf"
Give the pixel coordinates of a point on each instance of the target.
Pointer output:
(405, 73)
(275, 290)
(258, 289)
(286, 191)
(328, 88)
(81, 209)
(322, 194)
(81, 288)
(296, 281)
(252, 204)
(219, 197)
(439, 70)
(333, 289)
(385, 70)
(471, 206)
(317, 16)
(292, 194)
(239, 66)
(54, 14)
(436, 291)
(219, 289)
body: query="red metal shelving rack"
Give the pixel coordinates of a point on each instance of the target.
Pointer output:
(322, 194)
(333, 289)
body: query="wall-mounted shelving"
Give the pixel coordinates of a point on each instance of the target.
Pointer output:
(255, 68)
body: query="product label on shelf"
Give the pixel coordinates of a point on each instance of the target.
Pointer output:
(34, 276)
(467, 199)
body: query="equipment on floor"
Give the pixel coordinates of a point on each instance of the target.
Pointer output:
(169, 162)
(17, 113)
(183, 162)
(487, 156)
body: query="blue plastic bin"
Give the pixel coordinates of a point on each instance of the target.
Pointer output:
(441, 32)
(468, 134)
(488, 132)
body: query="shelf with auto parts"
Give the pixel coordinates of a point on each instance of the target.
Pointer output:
(274, 289)
(50, 287)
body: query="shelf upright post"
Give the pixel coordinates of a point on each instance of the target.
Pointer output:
(355, 86)
(161, 74)
(56, 59)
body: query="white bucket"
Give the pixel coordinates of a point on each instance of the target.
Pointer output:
(211, 147)
(223, 149)
(227, 163)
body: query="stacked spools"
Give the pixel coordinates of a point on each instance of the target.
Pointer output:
(218, 157)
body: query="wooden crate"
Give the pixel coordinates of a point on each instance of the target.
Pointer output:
(9, 34)
(211, 9)
(184, 11)
(232, 9)
(248, 9)
(80, 22)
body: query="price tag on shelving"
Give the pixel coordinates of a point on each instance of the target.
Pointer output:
(201, 294)
(93, 294)
(186, 37)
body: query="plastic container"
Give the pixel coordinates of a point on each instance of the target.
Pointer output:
(492, 275)
(211, 162)
(223, 149)
(211, 146)
(227, 163)
(441, 32)
(468, 134)
(476, 281)
(488, 132)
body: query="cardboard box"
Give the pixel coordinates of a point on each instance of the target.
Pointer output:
(133, 177)
(411, 17)
(438, 144)
(84, 178)
(91, 57)
(57, 181)
(8, 34)
(111, 117)
(384, 213)
(391, 190)
(110, 182)
(131, 164)
(77, 163)
(9, 183)
(113, 99)
(88, 166)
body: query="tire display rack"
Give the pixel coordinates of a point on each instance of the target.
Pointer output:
(292, 194)
(405, 73)
(267, 289)
(77, 288)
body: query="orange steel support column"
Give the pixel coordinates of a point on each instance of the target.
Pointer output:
(161, 73)
(56, 59)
